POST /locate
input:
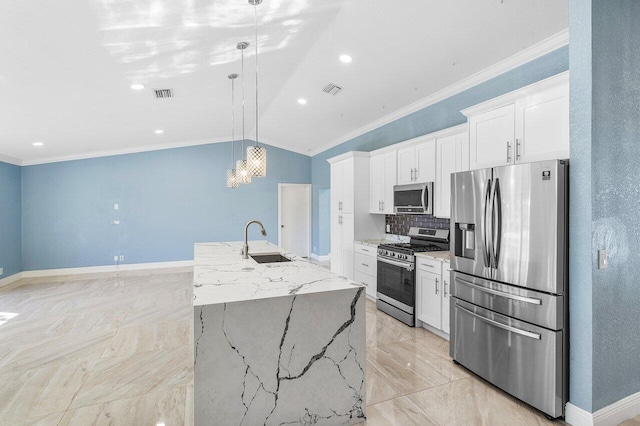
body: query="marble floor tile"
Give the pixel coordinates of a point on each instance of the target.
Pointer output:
(122, 377)
(116, 348)
(40, 391)
(379, 388)
(396, 412)
(631, 422)
(166, 407)
(150, 337)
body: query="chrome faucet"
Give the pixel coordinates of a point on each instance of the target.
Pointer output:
(245, 248)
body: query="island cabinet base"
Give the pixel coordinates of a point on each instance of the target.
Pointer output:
(297, 359)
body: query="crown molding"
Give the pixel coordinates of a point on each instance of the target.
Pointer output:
(134, 150)
(539, 49)
(10, 160)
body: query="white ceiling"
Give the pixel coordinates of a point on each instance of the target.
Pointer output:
(66, 67)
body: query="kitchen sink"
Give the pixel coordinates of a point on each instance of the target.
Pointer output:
(269, 258)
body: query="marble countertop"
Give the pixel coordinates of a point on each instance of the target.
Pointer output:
(390, 238)
(221, 275)
(438, 255)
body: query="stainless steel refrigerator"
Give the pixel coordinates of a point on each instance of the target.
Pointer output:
(509, 304)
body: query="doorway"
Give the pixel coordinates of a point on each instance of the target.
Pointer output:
(294, 218)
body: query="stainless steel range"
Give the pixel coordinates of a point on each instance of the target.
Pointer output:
(396, 271)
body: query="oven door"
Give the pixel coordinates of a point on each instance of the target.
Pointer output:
(396, 284)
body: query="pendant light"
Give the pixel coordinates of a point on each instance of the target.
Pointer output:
(256, 155)
(242, 172)
(232, 180)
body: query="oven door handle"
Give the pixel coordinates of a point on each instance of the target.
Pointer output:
(407, 266)
(500, 325)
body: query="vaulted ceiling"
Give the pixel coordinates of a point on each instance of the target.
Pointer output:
(66, 67)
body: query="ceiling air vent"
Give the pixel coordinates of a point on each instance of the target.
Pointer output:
(332, 89)
(163, 93)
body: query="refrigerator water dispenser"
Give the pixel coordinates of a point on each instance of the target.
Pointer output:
(465, 240)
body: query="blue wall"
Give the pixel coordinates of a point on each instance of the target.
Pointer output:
(615, 167)
(168, 200)
(441, 115)
(580, 253)
(10, 220)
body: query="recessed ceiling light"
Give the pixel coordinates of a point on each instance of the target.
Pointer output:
(302, 101)
(159, 132)
(37, 144)
(137, 86)
(346, 58)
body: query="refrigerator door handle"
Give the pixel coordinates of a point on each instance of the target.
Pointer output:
(501, 293)
(485, 240)
(496, 221)
(491, 219)
(500, 325)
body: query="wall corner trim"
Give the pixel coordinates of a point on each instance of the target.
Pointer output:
(611, 415)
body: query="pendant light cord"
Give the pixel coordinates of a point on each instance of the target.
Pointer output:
(243, 154)
(255, 8)
(233, 125)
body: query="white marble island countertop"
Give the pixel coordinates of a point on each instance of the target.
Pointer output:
(221, 275)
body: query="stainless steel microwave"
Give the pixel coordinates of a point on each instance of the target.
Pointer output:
(413, 199)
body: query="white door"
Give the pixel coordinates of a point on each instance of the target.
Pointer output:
(446, 164)
(542, 126)
(295, 218)
(390, 179)
(406, 164)
(336, 243)
(376, 182)
(337, 183)
(348, 237)
(425, 170)
(446, 307)
(430, 304)
(462, 152)
(492, 138)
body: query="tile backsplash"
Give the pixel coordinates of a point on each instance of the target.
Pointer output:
(401, 223)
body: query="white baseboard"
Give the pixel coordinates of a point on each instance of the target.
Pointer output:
(10, 280)
(432, 329)
(107, 268)
(611, 415)
(319, 258)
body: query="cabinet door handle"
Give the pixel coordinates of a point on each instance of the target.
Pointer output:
(445, 289)
(416, 173)
(340, 205)
(382, 205)
(427, 265)
(340, 220)
(364, 249)
(517, 150)
(364, 264)
(508, 152)
(412, 175)
(436, 286)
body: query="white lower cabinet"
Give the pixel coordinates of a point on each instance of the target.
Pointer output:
(432, 298)
(366, 267)
(446, 290)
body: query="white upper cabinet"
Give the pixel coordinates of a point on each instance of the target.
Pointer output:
(342, 187)
(492, 137)
(452, 156)
(529, 124)
(542, 125)
(382, 180)
(417, 163)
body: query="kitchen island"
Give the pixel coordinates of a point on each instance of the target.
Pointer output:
(275, 343)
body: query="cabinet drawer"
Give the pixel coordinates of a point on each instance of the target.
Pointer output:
(366, 250)
(366, 264)
(367, 280)
(429, 265)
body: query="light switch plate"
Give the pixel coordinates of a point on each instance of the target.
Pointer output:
(1, 271)
(116, 207)
(603, 261)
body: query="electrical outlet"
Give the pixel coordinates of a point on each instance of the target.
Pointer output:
(388, 228)
(115, 258)
(116, 207)
(121, 258)
(603, 260)
(1, 271)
